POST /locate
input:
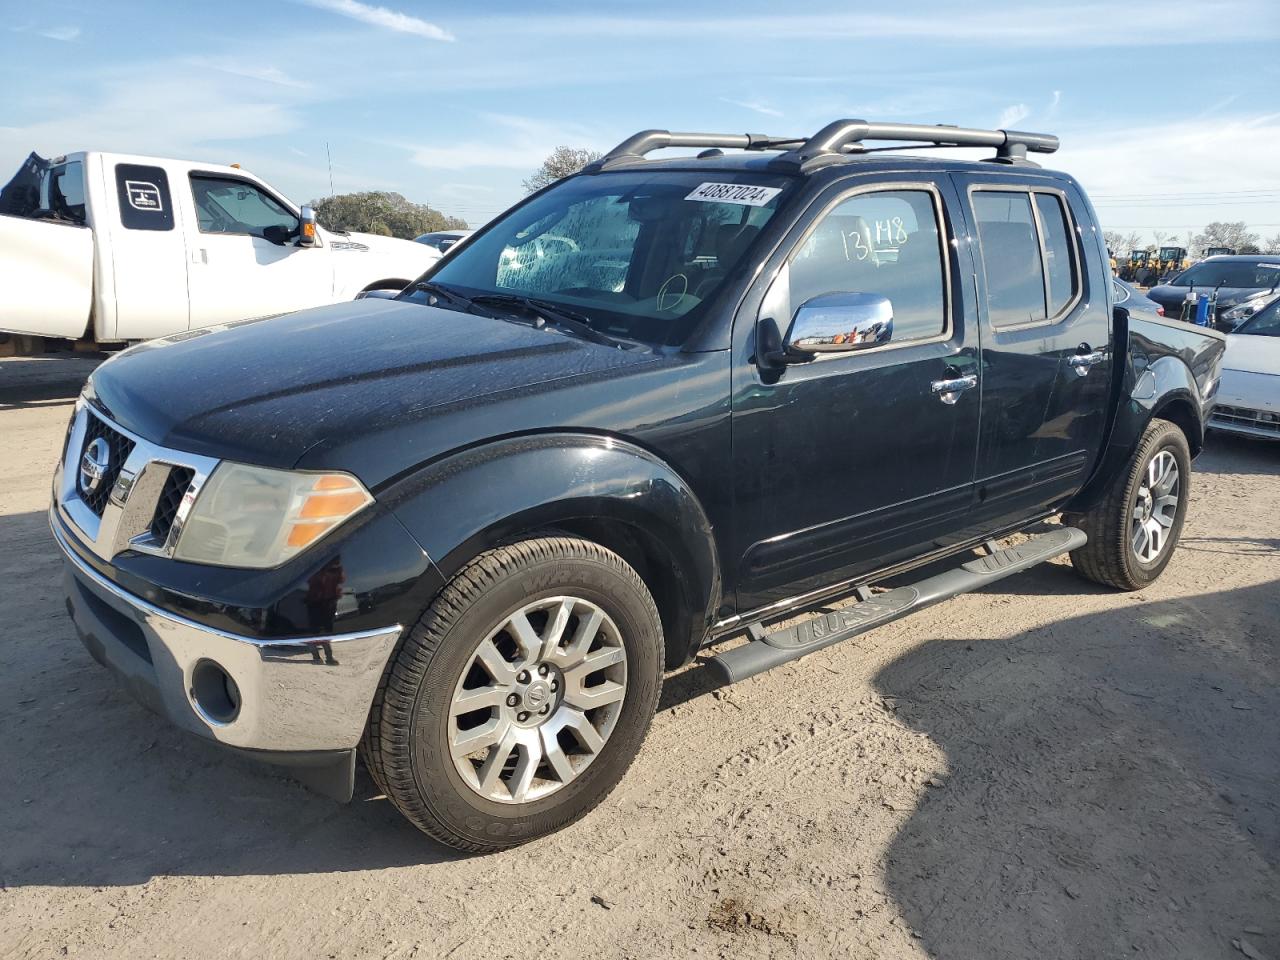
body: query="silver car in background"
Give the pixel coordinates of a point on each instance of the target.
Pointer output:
(1248, 401)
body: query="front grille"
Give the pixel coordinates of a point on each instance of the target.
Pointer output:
(1264, 420)
(175, 488)
(118, 446)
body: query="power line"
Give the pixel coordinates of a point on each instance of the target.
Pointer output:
(1188, 193)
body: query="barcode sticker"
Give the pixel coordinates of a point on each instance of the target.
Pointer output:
(745, 194)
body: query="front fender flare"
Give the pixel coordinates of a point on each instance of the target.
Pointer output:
(473, 500)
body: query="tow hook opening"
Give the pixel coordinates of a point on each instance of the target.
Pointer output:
(214, 693)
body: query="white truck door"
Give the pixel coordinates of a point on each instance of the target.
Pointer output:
(46, 262)
(144, 262)
(245, 261)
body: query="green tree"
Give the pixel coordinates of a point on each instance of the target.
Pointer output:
(562, 162)
(382, 213)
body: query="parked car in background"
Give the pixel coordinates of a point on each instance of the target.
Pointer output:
(1249, 396)
(656, 403)
(110, 247)
(442, 240)
(1134, 300)
(1240, 281)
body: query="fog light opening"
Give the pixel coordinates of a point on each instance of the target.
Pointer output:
(214, 693)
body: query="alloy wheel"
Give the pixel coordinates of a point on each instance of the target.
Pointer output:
(1156, 507)
(538, 700)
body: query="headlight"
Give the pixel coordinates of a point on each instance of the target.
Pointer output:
(257, 517)
(1247, 308)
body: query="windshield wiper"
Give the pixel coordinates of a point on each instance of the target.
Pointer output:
(434, 289)
(556, 315)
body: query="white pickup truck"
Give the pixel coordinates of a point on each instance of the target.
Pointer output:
(109, 247)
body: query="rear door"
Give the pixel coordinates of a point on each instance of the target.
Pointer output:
(1046, 343)
(245, 260)
(146, 255)
(851, 461)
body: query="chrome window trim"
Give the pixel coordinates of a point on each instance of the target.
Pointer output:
(1073, 229)
(126, 518)
(944, 251)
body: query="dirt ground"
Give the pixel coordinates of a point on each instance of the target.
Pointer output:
(1042, 769)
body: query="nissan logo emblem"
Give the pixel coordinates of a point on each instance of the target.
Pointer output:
(94, 465)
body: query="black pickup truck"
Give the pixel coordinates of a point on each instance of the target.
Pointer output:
(463, 531)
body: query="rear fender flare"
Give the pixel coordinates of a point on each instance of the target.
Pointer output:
(470, 501)
(1165, 388)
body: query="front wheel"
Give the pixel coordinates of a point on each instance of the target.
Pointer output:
(1134, 530)
(521, 697)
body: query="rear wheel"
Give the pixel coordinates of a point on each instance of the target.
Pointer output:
(521, 697)
(1134, 530)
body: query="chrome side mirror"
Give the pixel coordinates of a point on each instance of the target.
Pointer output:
(839, 323)
(307, 227)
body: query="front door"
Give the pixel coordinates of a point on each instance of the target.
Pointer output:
(1046, 346)
(847, 463)
(244, 258)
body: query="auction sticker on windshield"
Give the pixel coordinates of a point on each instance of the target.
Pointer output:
(746, 194)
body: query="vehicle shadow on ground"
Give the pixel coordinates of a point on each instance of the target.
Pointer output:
(98, 791)
(1130, 750)
(40, 381)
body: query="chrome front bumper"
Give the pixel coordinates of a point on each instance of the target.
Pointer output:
(290, 697)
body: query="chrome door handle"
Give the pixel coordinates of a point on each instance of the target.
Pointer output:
(1082, 363)
(949, 391)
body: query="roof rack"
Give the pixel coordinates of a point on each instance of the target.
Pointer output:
(833, 142)
(646, 141)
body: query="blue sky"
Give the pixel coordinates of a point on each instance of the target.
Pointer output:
(1168, 112)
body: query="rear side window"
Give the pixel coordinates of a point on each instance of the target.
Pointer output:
(1027, 253)
(886, 243)
(66, 192)
(143, 193)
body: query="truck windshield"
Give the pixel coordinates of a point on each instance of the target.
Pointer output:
(1232, 273)
(636, 254)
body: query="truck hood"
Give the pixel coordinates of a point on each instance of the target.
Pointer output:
(269, 391)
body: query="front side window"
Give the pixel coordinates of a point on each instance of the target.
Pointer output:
(235, 206)
(886, 243)
(1028, 255)
(637, 254)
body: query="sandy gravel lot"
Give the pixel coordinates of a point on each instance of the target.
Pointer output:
(1042, 769)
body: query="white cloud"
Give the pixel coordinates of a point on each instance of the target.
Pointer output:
(266, 74)
(383, 17)
(65, 34)
(521, 143)
(1170, 176)
(1013, 115)
(753, 105)
(1008, 24)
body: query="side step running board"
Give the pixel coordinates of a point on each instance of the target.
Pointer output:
(825, 629)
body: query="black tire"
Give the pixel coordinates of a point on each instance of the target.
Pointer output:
(406, 747)
(1109, 557)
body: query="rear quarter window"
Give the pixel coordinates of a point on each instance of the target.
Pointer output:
(143, 193)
